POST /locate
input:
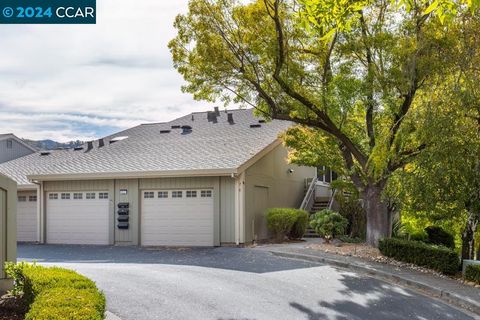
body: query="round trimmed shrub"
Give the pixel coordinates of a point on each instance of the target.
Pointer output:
(280, 221)
(328, 224)
(438, 236)
(300, 226)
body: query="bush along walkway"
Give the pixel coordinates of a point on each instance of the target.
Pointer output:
(444, 288)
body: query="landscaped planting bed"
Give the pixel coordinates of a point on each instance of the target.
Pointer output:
(437, 258)
(472, 273)
(56, 293)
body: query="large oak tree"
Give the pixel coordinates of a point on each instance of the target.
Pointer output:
(350, 79)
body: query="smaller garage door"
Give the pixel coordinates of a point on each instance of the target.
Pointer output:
(27, 217)
(177, 218)
(78, 217)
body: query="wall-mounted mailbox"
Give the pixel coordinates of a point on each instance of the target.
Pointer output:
(123, 212)
(123, 205)
(122, 218)
(122, 225)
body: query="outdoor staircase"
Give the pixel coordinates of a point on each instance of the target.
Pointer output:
(318, 205)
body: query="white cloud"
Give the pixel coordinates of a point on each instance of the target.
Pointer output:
(68, 81)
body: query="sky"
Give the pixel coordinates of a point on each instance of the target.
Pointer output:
(69, 82)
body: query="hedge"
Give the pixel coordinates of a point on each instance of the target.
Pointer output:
(57, 293)
(472, 273)
(434, 257)
(287, 221)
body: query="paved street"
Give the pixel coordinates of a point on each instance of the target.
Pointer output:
(233, 283)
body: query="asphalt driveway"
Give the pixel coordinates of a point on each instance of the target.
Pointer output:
(233, 283)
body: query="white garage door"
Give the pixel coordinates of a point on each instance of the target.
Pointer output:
(77, 217)
(177, 218)
(27, 217)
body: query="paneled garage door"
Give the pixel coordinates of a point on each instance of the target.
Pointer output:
(177, 217)
(78, 217)
(27, 217)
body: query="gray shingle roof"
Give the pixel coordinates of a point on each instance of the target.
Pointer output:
(210, 146)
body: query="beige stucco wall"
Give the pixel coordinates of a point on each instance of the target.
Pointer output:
(8, 227)
(268, 183)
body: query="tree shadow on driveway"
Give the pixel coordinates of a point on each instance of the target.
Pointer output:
(238, 259)
(364, 298)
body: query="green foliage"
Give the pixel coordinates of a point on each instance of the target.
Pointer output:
(56, 293)
(300, 226)
(434, 257)
(352, 210)
(328, 224)
(15, 271)
(438, 236)
(68, 303)
(419, 236)
(280, 221)
(472, 273)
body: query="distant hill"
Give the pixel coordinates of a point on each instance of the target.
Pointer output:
(52, 145)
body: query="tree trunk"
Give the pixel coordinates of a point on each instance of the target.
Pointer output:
(379, 221)
(468, 237)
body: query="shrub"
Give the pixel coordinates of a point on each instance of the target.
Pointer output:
(328, 224)
(438, 236)
(300, 226)
(472, 273)
(352, 210)
(56, 293)
(14, 271)
(280, 221)
(438, 258)
(419, 236)
(68, 303)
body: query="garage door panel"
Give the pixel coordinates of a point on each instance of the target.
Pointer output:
(78, 221)
(27, 223)
(177, 221)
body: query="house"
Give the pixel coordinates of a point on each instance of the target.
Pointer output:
(12, 147)
(8, 242)
(204, 179)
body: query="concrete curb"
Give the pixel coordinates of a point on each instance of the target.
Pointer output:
(450, 297)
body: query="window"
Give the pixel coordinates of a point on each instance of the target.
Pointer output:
(65, 196)
(22, 198)
(9, 144)
(78, 196)
(177, 194)
(191, 194)
(90, 195)
(148, 195)
(53, 196)
(163, 194)
(206, 193)
(103, 195)
(32, 198)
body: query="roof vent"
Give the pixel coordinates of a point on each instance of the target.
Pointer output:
(176, 127)
(77, 148)
(89, 145)
(101, 143)
(217, 111)
(262, 121)
(186, 129)
(45, 153)
(255, 125)
(115, 139)
(165, 131)
(193, 117)
(230, 118)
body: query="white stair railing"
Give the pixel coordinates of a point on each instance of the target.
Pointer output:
(309, 195)
(332, 198)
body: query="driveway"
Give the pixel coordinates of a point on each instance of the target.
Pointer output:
(233, 283)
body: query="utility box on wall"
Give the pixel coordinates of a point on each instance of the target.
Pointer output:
(8, 228)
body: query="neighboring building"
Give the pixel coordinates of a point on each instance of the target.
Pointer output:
(8, 242)
(204, 179)
(12, 148)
